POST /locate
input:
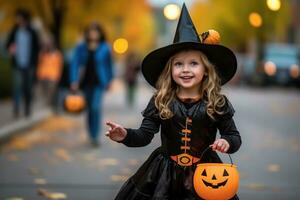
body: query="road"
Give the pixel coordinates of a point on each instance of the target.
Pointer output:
(54, 157)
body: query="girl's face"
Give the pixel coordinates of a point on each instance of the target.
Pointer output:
(188, 69)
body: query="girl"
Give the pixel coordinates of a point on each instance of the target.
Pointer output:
(189, 108)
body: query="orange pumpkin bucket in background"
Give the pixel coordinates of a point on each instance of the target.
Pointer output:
(216, 181)
(74, 103)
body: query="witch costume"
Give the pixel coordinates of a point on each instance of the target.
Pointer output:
(168, 173)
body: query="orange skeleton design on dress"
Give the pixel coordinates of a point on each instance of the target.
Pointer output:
(186, 132)
(184, 159)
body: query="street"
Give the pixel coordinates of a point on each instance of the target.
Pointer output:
(55, 158)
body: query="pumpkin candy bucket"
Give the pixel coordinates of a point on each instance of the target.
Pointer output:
(74, 103)
(216, 181)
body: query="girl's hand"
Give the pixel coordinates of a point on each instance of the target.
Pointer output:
(116, 132)
(220, 145)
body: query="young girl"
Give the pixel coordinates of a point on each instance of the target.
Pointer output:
(188, 108)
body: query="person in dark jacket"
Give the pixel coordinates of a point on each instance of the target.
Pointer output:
(23, 47)
(132, 68)
(93, 60)
(188, 109)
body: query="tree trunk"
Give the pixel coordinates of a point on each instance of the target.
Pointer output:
(58, 10)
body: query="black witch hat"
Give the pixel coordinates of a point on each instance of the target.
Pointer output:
(186, 37)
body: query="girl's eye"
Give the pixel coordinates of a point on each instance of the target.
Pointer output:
(177, 64)
(193, 63)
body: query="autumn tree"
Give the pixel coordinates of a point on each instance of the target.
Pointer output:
(65, 19)
(230, 17)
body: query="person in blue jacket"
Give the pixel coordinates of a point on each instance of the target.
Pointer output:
(91, 70)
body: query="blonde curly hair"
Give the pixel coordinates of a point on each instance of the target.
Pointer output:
(209, 90)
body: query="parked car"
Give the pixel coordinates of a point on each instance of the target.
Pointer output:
(280, 64)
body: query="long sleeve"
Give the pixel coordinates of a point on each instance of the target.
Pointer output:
(230, 133)
(75, 64)
(227, 128)
(142, 136)
(11, 37)
(150, 125)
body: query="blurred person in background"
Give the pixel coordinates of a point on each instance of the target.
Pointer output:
(23, 47)
(132, 68)
(91, 69)
(49, 70)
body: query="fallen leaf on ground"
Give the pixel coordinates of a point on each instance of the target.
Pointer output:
(256, 186)
(34, 171)
(40, 181)
(62, 154)
(41, 133)
(126, 171)
(57, 195)
(90, 157)
(133, 162)
(273, 168)
(43, 192)
(57, 123)
(118, 178)
(108, 162)
(19, 144)
(51, 195)
(12, 157)
(14, 198)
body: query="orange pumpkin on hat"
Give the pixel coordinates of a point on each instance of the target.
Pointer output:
(74, 103)
(211, 37)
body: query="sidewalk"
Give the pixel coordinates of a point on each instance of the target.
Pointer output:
(10, 125)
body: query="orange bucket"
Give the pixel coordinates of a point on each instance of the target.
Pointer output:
(216, 181)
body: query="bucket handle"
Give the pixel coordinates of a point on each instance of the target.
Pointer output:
(210, 147)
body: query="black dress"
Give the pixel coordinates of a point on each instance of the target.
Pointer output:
(161, 178)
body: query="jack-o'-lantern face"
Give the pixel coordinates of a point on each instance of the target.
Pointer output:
(216, 181)
(213, 182)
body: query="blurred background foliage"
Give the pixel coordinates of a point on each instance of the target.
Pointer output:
(66, 19)
(144, 26)
(231, 19)
(136, 21)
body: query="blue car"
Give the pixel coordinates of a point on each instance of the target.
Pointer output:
(280, 64)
